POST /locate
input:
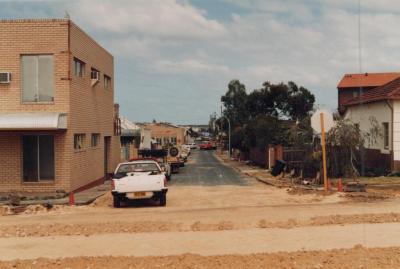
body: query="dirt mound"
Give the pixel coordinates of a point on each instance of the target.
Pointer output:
(223, 225)
(5, 210)
(356, 257)
(366, 196)
(103, 201)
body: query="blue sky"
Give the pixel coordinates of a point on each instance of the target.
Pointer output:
(174, 58)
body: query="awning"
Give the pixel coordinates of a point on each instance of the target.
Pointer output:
(33, 121)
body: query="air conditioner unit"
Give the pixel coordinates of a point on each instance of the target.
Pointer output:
(5, 77)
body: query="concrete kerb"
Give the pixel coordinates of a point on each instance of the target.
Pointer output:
(81, 198)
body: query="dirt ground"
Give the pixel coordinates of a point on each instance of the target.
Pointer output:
(357, 257)
(217, 209)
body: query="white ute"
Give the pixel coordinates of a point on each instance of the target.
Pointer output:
(142, 179)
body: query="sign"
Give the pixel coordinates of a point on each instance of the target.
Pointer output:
(316, 120)
(321, 122)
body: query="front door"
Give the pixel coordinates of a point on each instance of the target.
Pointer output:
(107, 143)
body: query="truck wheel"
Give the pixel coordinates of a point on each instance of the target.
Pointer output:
(116, 201)
(163, 199)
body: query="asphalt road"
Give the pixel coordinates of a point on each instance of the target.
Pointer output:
(204, 169)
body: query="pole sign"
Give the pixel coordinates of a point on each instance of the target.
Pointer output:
(316, 120)
(321, 122)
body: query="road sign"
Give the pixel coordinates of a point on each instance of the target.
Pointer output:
(316, 120)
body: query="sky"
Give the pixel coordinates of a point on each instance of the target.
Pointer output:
(175, 58)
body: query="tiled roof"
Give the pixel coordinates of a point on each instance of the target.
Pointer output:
(366, 80)
(388, 91)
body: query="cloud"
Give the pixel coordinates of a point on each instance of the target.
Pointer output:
(189, 66)
(166, 18)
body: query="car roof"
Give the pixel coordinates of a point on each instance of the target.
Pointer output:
(140, 161)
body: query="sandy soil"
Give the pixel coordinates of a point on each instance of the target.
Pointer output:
(219, 209)
(357, 257)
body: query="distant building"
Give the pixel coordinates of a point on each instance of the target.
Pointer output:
(164, 134)
(58, 127)
(130, 139)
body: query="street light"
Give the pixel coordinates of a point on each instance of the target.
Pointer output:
(229, 135)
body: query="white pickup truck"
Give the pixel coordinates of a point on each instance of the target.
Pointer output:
(142, 179)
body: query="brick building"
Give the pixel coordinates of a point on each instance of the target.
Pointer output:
(166, 134)
(57, 119)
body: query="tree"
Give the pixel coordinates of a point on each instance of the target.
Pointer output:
(286, 101)
(234, 102)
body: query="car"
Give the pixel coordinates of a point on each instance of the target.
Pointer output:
(191, 145)
(207, 146)
(165, 167)
(137, 180)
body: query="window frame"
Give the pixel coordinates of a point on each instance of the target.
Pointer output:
(82, 65)
(386, 135)
(83, 141)
(52, 76)
(97, 140)
(107, 82)
(92, 70)
(39, 180)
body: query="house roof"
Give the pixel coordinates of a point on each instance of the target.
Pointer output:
(389, 91)
(366, 80)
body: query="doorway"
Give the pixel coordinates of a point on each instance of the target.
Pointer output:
(107, 144)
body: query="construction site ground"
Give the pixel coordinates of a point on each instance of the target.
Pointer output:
(240, 224)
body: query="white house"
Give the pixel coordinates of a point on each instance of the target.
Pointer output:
(379, 107)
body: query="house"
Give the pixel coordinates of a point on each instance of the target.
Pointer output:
(351, 84)
(166, 134)
(58, 126)
(130, 139)
(378, 107)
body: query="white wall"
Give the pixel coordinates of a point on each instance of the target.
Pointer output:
(382, 113)
(145, 139)
(396, 130)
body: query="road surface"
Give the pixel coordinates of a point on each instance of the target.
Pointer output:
(204, 169)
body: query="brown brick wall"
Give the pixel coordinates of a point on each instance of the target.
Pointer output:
(92, 109)
(160, 131)
(89, 109)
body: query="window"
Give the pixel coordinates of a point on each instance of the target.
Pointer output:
(385, 134)
(37, 78)
(79, 68)
(95, 74)
(158, 140)
(107, 82)
(95, 140)
(173, 140)
(79, 141)
(166, 141)
(38, 157)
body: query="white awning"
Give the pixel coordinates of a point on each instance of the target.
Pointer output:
(33, 121)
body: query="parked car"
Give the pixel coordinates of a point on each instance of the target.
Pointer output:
(165, 167)
(206, 146)
(191, 145)
(142, 179)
